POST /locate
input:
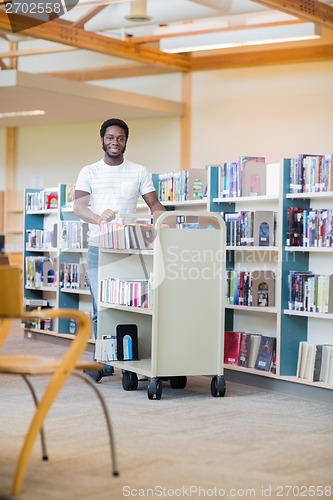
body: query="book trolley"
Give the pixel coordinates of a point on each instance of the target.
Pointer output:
(180, 325)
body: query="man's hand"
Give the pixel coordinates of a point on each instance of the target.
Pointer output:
(108, 215)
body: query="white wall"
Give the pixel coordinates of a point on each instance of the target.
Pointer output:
(274, 111)
(166, 86)
(55, 153)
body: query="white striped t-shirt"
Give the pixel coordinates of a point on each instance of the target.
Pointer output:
(115, 187)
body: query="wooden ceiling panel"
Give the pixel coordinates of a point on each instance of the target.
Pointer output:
(263, 57)
(146, 60)
(309, 10)
(58, 31)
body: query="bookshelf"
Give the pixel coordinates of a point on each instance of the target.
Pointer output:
(175, 190)
(185, 189)
(73, 247)
(40, 253)
(290, 327)
(302, 325)
(246, 259)
(48, 217)
(176, 337)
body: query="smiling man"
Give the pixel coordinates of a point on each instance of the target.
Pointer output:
(112, 185)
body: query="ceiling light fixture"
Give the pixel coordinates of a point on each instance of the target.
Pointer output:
(237, 38)
(32, 112)
(138, 12)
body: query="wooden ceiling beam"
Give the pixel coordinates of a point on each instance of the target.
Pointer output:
(36, 52)
(206, 63)
(111, 72)
(263, 58)
(56, 31)
(13, 60)
(310, 10)
(2, 64)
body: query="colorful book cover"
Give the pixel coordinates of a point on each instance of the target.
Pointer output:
(265, 353)
(244, 349)
(231, 347)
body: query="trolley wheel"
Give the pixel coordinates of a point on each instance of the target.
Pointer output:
(217, 386)
(129, 381)
(154, 389)
(178, 382)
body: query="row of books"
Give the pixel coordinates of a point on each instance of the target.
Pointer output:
(307, 227)
(127, 236)
(125, 292)
(181, 186)
(250, 350)
(121, 346)
(69, 195)
(250, 228)
(40, 272)
(310, 173)
(310, 292)
(37, 323)
(73, 234)
(315, 362)
(43, 239)
(246, 177)
(250, 288)
(33, 303)
(73, 276)
(41, 200)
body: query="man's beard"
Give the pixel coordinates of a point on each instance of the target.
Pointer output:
(114, 156)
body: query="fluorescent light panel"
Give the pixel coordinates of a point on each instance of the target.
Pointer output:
(13, 114)
(248, 36)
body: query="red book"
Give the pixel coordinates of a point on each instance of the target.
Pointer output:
(231, 347)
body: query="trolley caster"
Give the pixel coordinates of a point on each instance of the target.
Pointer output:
(178, 382)
(154, 389)
(129, 381)
(217, 386)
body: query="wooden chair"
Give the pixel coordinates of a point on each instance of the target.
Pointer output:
(4, 260)
(11, 306)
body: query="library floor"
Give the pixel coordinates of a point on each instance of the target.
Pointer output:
(251, 443)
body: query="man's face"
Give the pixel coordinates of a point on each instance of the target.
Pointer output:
(114, 142)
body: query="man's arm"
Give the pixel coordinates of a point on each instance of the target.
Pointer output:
(82, 210)
(152, 202)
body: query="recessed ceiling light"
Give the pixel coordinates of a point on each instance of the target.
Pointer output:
(32, 112)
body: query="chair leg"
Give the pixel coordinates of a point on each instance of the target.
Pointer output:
(5, 325)
(50, 394)
(92, 384)
(42, 434)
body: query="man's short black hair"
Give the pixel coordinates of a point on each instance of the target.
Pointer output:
(114, 121)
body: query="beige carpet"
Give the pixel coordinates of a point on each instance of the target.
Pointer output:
(251, 443)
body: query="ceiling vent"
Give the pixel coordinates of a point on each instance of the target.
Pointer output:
(138, 12)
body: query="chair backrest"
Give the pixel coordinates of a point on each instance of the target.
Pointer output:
(11, 292)
(4, 260)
